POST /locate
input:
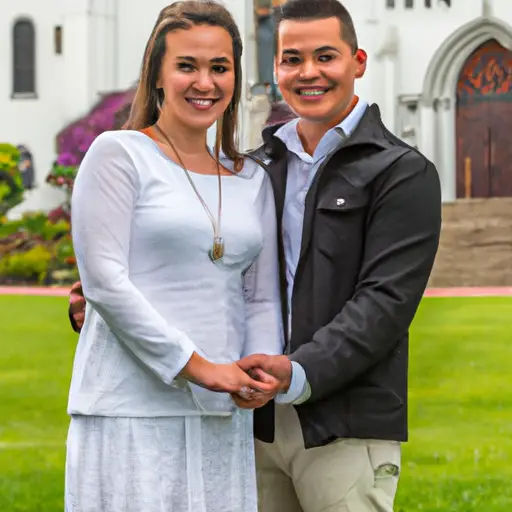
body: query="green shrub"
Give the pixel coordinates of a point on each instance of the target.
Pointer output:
(11, 182)
(37, 224)
(64, 252)
(9, 227)
(29, 265)
(9, 157)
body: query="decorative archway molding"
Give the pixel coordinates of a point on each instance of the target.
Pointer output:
(438, 100)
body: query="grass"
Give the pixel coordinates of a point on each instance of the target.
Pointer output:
(457, 459)
(36, 351)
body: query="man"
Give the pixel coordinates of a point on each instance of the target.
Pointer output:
(360, 216)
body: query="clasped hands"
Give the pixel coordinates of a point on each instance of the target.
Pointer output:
(252, 382)
(270, 375)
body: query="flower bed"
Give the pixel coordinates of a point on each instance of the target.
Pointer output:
(36, 251)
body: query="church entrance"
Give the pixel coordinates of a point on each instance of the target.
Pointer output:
(484, 123)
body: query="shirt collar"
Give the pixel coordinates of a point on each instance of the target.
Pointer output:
(288, 134)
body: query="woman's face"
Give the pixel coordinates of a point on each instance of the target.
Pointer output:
(197, 76)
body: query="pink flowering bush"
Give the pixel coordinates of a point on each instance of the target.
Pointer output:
(74, 141)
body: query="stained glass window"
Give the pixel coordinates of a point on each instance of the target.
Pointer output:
(487, 75)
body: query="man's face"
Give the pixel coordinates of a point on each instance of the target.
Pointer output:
(316, 69)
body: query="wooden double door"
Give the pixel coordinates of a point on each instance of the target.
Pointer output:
(484, 123)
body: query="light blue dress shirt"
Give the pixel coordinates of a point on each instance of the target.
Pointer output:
(302, 168)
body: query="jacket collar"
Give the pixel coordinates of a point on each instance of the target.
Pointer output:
(369, 131)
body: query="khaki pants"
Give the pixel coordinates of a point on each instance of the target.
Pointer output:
(348, 475)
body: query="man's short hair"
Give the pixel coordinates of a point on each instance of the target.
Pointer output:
(307, 10)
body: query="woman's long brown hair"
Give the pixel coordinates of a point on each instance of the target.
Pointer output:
(184, 15)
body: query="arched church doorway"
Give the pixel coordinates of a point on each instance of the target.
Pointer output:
(484, 123)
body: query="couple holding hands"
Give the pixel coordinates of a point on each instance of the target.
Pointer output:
(244, 318)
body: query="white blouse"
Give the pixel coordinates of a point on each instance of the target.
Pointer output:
(153, 294)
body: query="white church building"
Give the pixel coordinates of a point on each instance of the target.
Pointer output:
(441, 71)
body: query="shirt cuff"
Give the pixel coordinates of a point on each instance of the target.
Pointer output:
(299, 390)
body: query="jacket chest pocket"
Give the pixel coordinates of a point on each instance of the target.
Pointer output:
(340, 221)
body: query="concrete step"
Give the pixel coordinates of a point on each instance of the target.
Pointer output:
(476, 244)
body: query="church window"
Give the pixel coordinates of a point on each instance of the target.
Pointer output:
(24, 59)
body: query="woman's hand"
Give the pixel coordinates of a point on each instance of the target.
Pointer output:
(225, 378)
(275, 369)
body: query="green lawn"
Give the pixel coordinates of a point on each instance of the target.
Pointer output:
(457, 460)
(36, 351)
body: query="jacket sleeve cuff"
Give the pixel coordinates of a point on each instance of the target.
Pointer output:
(299, 390)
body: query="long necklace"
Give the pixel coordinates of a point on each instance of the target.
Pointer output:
(217, 250)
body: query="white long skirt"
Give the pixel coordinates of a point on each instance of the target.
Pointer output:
(178, 464)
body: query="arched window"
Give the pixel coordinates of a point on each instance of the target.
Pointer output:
(24, 58)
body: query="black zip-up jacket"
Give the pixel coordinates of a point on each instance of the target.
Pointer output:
(371, 232)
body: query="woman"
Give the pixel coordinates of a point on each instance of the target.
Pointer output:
(180, 280)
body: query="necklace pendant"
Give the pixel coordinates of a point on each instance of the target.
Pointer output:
(217, 251)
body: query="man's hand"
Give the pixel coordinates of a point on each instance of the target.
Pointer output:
(279, 367)
(259, 367)
(76, 307)
(225, 378)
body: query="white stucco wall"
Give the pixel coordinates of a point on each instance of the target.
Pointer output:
(103, 44)
(33, 122)
(66, 84)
